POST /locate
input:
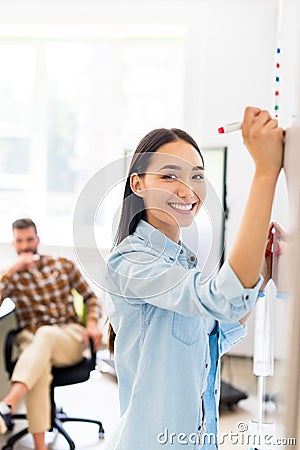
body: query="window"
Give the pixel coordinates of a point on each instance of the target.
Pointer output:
(72, 105)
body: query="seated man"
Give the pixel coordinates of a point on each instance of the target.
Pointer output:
(52, 333)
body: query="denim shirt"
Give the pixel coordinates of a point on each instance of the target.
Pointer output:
(167, 363)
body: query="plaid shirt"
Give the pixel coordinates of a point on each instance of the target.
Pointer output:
(43, 294)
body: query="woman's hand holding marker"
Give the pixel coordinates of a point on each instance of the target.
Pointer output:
(264, 141)
(259, 124)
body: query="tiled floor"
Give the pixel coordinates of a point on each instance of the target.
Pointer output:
(98, 398)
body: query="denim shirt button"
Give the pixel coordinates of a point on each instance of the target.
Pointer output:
(192, 258)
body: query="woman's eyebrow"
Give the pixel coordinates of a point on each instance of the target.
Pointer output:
(198, 168)
(173, 167)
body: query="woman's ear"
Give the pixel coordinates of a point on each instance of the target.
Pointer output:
(135, 184)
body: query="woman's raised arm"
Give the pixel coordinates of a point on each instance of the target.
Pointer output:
(264, 141)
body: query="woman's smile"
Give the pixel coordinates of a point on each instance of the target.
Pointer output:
(183, 208)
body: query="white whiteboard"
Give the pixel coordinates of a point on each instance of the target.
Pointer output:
(290, 119)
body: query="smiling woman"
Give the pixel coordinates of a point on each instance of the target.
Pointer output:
(173, 188)
(170, 328)
(149, 165)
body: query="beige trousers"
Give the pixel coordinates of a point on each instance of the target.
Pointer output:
(51, 345)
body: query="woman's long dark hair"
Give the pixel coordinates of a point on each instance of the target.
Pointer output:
(133, 208)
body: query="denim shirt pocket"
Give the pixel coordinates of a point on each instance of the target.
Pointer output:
(186, 329)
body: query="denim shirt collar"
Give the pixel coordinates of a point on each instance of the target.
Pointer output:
(159, 243)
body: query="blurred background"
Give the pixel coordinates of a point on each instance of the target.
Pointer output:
(82, 81)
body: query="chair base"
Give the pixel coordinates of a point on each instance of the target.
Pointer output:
(60, 418)
(57, 424)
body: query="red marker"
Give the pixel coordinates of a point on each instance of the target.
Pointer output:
(234, 126)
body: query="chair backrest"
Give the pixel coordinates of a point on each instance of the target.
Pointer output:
(9, 360)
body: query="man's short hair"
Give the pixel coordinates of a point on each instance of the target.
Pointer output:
(22, 224)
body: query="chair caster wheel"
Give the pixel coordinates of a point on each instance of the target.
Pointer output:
(101, 435)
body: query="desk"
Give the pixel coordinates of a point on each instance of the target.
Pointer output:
(6, 308)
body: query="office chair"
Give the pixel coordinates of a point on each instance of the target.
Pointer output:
(62, 376)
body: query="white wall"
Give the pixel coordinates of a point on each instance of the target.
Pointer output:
(229, 63)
